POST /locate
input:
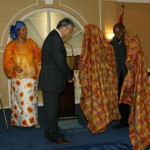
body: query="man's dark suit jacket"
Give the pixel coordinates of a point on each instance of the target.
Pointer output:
(120, 54)
(54, 69)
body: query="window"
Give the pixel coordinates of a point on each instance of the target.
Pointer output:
(40, 23)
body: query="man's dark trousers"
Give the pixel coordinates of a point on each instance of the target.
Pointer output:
(51, 110)
(124, 109)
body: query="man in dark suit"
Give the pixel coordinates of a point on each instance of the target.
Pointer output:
(53, 75)
(121, 54)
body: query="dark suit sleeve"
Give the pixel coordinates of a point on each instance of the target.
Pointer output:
(58, 52)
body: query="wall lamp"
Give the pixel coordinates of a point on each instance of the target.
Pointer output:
(109, 35)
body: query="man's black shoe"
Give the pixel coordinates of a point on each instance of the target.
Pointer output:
(119, 126)
(60, 140)
(59, 135)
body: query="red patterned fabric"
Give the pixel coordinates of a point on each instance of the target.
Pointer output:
(136, 92)
(98, 79)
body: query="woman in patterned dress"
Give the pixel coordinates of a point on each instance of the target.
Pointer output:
(21, 62)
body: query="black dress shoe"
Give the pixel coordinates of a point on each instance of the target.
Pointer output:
(120, 125)
(56, 135)
(60, 140)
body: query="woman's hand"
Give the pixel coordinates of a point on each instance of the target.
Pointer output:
(17, 68)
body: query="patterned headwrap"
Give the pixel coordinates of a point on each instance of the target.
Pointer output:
(14, 28)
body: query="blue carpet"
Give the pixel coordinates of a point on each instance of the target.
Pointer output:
(17, 138)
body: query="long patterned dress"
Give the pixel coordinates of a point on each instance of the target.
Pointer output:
(24, 93)
(98, 79)
(136, 93)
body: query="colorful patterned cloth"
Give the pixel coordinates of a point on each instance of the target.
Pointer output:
(23, 85)
(136, 92)
(98, 79)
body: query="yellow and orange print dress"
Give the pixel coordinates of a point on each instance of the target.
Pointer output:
(24, 93)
